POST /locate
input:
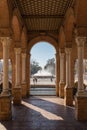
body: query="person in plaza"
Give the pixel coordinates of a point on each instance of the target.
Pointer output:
(34, 80)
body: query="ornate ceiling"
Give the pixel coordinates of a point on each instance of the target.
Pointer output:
(43, 15)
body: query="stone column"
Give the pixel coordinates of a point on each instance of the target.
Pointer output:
(17, 93)
(6, 43)
(81, 96)
(23, 67)
(24, 83)
(28, 74)
(68, 95)
(80, 45)
(18, 60)
(5, 97)
(61, 83)
(57, 72)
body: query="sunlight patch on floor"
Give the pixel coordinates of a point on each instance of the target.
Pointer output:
(2, 127)
(46, 114)
(51, 99)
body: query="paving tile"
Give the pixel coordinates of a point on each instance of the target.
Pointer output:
(43, 113)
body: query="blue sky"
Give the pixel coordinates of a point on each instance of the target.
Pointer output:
(41, 52)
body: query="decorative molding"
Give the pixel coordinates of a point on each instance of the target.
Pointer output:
(5, 41)
(17, 50)
(68, 50)
(80, 41)
(5, 32)
(23, 55)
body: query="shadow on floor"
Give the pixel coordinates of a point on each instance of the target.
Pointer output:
(43, 113)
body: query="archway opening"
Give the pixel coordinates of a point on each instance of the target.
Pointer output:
(42, 69)
(9, 75)
(76, 75)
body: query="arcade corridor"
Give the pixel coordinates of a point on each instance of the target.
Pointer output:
(63, 24)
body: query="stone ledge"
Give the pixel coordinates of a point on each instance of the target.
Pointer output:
(61, 90)
(17, 95)
(24, 90)
(81, 108)
(5, 108)
(68, 96)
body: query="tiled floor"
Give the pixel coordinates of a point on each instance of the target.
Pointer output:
(43, 113)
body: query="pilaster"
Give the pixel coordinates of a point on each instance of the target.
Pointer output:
(61, 83)
(81, 96)
(68, 92)
(24, 83)
(80, 46)
(57, 76)
(5, 97)
(17, 92)
(28, 73)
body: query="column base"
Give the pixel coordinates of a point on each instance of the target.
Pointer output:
(5, 108)
(28, 90)
(81, 108)
(68, 96)
(17, 96)
(57, 90)
(24, 90)
(61, 89)
(5, 93)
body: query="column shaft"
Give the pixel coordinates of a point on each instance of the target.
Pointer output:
(17, 93)
(28, 62)
(5, 97)
(81, 96)
(68, 93)
(57, 72)
(62, 67)
(68, 67)
(23, 67)
(80, 68)
(80, 44)
(18, 77)
(24, 80)
(61, 83)
(6, 43)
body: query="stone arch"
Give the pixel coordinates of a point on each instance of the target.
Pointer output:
(4, 18)
(16, 28)
(43, 38)
(54, 43)
(69, 25)
(24, 38)
(61, 38)
(1, 50)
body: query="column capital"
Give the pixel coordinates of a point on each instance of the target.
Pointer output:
(80, 41)
(29, 55)
(24, 55)
(56, 54)
(61, 50)
(68, 50)
(62, 55)
(5, 41)
(17, 50)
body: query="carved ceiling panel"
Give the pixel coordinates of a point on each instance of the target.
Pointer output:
(43, 15)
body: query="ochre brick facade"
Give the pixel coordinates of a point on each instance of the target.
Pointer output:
(12, 25)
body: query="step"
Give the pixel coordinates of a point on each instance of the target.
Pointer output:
(43, 91)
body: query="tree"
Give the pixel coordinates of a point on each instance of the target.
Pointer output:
(50, 65)
(34, 65)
